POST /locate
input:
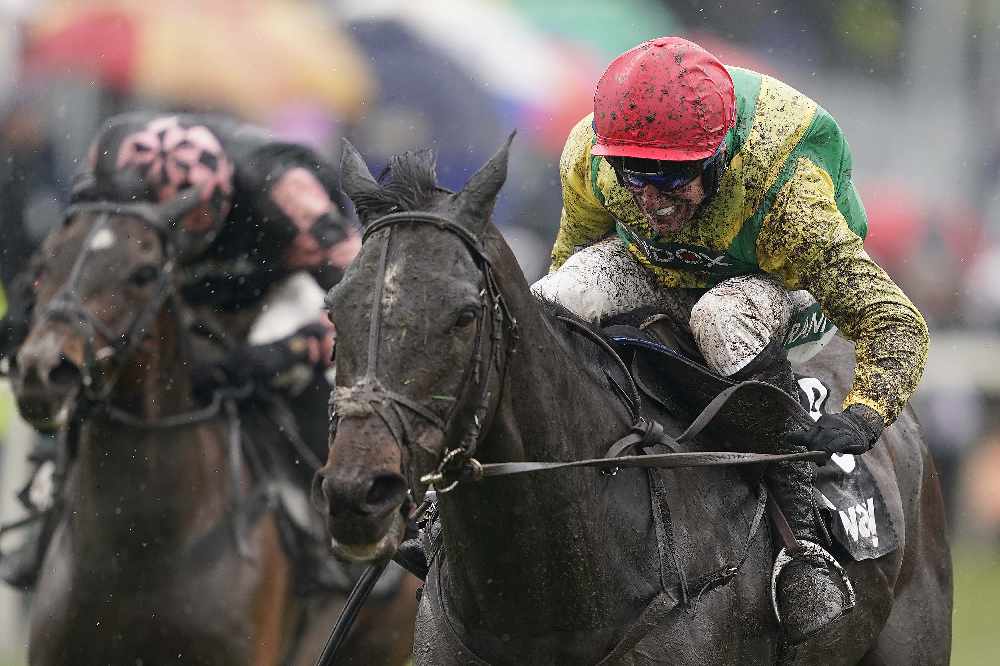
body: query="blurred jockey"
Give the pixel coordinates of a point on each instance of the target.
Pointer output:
(724, 199)
(256, 257)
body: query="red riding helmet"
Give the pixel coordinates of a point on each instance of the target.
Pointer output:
(666, 99)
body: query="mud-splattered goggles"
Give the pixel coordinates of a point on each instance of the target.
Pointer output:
(634, 173)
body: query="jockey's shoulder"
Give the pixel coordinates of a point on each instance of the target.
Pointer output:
(576, 151)
(581, 137)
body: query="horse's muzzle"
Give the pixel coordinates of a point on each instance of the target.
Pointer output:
(46, 383)
(363, 509)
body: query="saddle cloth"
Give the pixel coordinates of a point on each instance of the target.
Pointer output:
(861, 505)
(849, 495)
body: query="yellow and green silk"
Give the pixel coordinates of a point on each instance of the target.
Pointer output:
(786, 206)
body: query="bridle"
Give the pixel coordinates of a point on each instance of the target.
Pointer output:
(470, 413)
(67, 305)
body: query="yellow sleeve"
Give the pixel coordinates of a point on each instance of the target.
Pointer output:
(584, 220)
(805, 240)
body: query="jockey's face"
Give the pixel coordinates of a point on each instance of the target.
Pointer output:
(668, 212)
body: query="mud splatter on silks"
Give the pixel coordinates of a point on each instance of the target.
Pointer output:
(787, 208)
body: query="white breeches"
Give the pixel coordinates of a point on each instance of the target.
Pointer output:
(288, 305)
(732, 322)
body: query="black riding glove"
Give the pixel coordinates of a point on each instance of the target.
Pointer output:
(854, 430)
(286, 364)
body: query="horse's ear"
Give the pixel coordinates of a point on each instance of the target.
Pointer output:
(172, 212)
(189, 222)
(355, 179)
(479, 194)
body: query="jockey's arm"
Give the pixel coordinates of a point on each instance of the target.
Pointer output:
(584, 219)
(806, 240)
(291, 338)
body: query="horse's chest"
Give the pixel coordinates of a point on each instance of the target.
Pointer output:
(110, 612)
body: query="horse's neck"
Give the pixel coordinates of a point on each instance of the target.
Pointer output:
(549, 552)
(156, 380)
(135, 487)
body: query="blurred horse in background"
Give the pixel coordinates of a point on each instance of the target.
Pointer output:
(169, 547)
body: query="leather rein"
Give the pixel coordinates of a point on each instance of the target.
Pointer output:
(465, 428)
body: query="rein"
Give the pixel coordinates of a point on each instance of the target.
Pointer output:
(458, 465)
(646, 432)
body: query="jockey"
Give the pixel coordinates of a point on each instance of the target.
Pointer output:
(723, 198)
(256, 256)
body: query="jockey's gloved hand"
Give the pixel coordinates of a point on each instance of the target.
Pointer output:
(286, 364)
(854, 430)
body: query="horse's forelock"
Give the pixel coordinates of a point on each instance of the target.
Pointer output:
(409, 182)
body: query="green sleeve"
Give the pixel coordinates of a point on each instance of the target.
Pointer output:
(806, 241)
(584, 219)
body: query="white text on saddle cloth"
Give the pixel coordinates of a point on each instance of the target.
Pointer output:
(859, 522)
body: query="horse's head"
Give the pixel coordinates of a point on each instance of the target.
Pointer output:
(420, 355)
(100, 281)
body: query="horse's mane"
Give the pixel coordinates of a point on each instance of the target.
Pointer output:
(409, 182)
(591, 356)
(553, 310)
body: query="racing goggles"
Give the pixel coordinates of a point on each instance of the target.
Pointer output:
(634, 174)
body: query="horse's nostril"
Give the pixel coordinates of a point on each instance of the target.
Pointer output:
(326, 487)
(386, 490)
(64, 374)
(349, 493)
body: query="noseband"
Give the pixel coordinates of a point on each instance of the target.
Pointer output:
(466, 421)
(67, 305)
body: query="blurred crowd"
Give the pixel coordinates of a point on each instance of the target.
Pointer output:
(457, 77)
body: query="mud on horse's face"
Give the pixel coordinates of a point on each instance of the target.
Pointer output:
(413, 350)
(99, 284)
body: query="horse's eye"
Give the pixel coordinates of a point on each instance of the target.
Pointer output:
(143, 275)
(465, 317)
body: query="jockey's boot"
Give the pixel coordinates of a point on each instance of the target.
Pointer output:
(20, 567)
(810, 590)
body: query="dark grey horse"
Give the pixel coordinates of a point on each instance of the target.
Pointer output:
(565, 567)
